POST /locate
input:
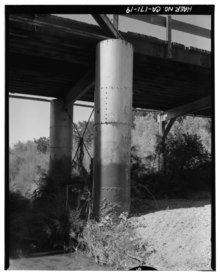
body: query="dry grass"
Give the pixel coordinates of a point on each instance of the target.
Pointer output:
(115, 244)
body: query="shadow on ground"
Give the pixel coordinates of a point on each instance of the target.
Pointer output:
(146, 206)
(56, 262)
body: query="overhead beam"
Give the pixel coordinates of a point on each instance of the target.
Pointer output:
(107, 26)
(193, 107)
(75, 104)
(175, 24)
(115, 21)
(29, 98)
(46, 100)
(151, 19)
(191, 29)
(80, 88)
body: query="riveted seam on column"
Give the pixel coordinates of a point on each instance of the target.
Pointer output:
(121, 123)
(54, 147)
(115, 87)
(116, 189)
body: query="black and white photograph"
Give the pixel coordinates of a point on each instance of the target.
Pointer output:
(110, 137)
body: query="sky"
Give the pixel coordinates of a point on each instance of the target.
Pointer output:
(30, 119)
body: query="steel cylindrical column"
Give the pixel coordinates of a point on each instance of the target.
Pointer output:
(60, 140)
(113, 117)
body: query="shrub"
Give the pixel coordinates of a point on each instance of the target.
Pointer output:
(45, 222)
(187, 170)
(50, 221)
(20, 212)
(76, 228)
(183, 152)
(115, 244)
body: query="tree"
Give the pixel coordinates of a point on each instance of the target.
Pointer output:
(194, 125)
(43, 144)
(26, 163)
(184, 152)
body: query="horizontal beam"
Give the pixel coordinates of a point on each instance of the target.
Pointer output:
(79, 104)
(75, 104)
(175, 24)
(83, 105)
(191, 29)
(193, 107)
(46, 100)
(29, 98)
(151, 19)
(106, 24)
(80, 88)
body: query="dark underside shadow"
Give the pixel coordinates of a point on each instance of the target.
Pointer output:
(146, 206)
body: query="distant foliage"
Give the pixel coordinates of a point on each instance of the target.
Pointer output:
(29, 160)
(43, 144)
(194, 125)
(144, 141)
(187, 157)
(26, 163)
(145, 134)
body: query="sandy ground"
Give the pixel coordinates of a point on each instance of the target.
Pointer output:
(178, 233)
(180, 237)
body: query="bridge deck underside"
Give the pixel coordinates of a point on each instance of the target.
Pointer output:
(47, 56)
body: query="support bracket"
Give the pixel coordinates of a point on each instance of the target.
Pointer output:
(80, 88)
(168, 127)
(164, 130)
(192, 107)
(106, 24)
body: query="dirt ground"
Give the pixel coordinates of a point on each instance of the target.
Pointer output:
(180, 234)
(177, 231)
